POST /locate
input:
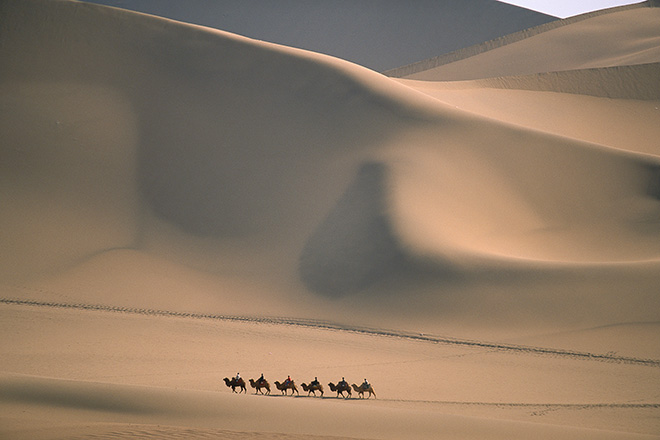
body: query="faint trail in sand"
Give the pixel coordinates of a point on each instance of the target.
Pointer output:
(547, 406)
(317, 324)
(177, 433)
(508, 405)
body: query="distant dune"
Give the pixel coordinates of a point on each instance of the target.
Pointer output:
(597, 39)
(180, 203)
(619, 82)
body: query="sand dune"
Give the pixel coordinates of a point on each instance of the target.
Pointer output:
(601, 39)
(527, 101)
(164, 186)
(621, 82)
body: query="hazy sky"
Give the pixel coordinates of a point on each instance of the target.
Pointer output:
(568, 8)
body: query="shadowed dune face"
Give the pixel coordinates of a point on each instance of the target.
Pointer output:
(228, 130)
(236, 151)
(67, 174)
(355, 245)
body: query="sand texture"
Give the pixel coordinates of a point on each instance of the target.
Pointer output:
(480, 239)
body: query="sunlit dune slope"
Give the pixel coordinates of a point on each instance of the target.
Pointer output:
(625, 123)
(296, 170)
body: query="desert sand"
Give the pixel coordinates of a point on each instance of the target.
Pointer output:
(179, 204)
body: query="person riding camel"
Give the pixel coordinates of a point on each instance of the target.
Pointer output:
(288, 380)
(315, 382)
(365, 384)
(238, 377)
(261, 379)
(343, 383)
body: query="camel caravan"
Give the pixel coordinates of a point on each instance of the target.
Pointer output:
(261, 386)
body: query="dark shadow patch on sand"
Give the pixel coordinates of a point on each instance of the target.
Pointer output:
(354, 247)
(78, 395)
(653, 189)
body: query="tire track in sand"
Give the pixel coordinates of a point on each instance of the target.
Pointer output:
(318, 324)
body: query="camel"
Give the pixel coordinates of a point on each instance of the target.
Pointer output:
(340, 389)
(364, 389)
(259, 384)
(233, 383)
(313, 388)
(286, 386)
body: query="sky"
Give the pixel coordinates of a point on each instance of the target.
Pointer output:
(568, 8)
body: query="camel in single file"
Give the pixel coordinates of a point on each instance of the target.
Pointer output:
(284, 387)
(233, 384)
(259, 384)
(313, 388)
(364, 389)
(340, 388)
